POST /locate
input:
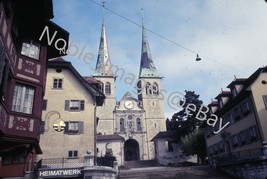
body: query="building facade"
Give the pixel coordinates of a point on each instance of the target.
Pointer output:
(138, 119)
(68, 118)
(240, 148)
(23, 59)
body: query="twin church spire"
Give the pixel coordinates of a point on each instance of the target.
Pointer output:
(104, 66)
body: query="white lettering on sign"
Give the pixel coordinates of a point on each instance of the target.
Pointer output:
(60, 172)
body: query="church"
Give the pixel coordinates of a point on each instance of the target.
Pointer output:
(125, 128)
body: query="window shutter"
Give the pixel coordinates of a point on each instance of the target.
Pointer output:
(66, 129)
(42, 127)
(82, 105)
(5, 79)
(81, 127)
(2, 62)
(67, 105)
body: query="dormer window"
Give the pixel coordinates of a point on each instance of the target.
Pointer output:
(234, 92)
(220, 103)
(31, 48)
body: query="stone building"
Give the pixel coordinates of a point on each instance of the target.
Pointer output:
(240, 148)
(136, 119)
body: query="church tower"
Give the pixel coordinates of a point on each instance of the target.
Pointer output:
(149, 93)
(103, 72)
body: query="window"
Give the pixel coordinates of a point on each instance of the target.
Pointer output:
(220, 104)
(155, 89)
(74, 127)
(31, 48)
(265, 100)
(168, 146)
(237, 114)
(107, 88)
(229, 117)
(44, 104)
(242, 138)
(235, 141)
(57, 83)
(4, 71)
(122, 125)
(234, 92)
(100, 87)
(253, 134)
(245, 107)
(148, 88)
(73, 153)
(23, 99)
(74, 105)
(138, 124)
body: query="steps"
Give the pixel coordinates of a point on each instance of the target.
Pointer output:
(140, 163)
(164, 172)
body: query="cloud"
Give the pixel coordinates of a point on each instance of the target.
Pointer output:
(230, 37)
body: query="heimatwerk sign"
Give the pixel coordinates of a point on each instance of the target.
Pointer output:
(52, 173)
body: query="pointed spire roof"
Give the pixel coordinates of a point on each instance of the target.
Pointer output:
(103, 64)
(147, 67)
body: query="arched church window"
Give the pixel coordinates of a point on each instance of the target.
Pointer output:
(108, 149)
(107, 88)
(122, 125)
(138, 124)
(148, 88)
(139, 86)
(101, 87)
(155, 88)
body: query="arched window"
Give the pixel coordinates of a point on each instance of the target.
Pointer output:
(155, 88)
(148, 88)
(107, 88)
(138, 124)
(101, 88)
(122, 125)
(108, 149)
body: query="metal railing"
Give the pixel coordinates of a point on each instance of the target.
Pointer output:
(239, 156)
(61, 163)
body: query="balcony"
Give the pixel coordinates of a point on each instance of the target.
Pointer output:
(240, 156)
(61, 163)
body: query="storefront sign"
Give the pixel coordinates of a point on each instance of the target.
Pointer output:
(53, 173)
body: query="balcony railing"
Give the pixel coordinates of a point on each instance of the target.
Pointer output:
(61, 163)
(239, 156)
(53, 163)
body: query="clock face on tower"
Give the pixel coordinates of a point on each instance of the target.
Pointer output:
(129, 104)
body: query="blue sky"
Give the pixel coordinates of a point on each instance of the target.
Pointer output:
(230, 37)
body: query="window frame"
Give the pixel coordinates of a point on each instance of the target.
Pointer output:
(28, 48)
(122, 125)
(74, 108)
(73, 154)
(107, 88)
(18, 103)
(57, 83)
(264, 97)
(74, 124)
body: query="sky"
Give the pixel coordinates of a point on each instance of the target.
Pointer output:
(229, 36)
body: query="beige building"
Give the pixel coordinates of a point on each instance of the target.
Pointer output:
(136, 119)
(241, 145)
(69, 113)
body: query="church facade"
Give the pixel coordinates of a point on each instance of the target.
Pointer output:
(136, 120)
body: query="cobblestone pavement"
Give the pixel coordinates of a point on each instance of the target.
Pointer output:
(189, 172)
